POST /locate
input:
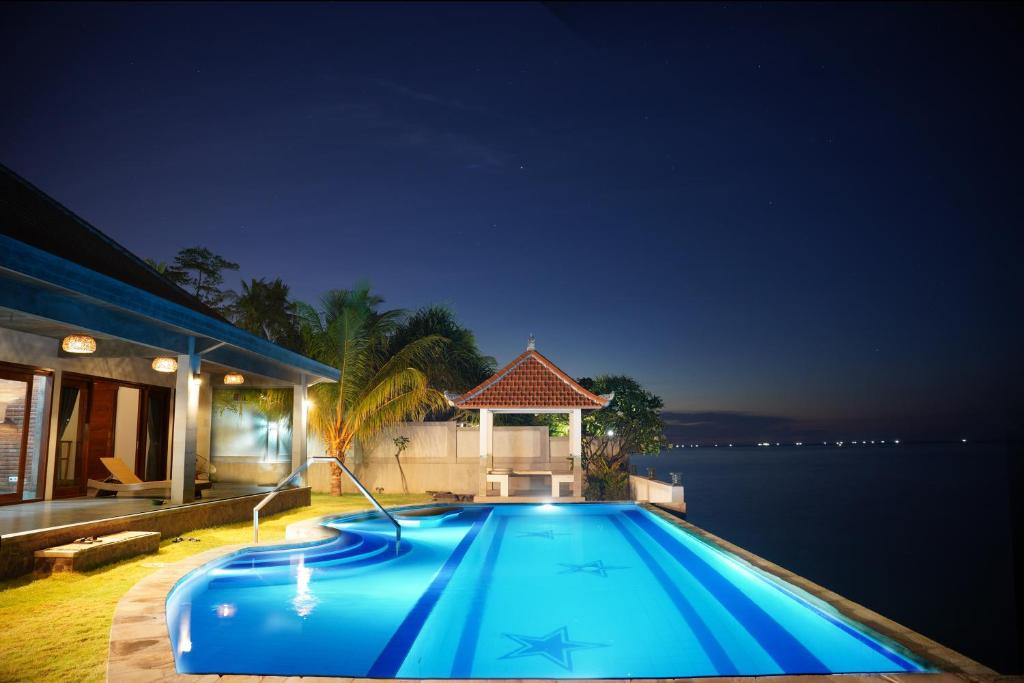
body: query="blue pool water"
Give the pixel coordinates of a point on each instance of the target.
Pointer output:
(511, 591)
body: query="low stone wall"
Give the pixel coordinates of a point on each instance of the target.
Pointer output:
(442, 456)
(17, 550)
(646, 490)
(251, 471)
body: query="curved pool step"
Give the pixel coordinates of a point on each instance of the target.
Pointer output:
(373, 550)
(345, 545)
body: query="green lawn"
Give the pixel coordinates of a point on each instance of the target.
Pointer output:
(57, 629)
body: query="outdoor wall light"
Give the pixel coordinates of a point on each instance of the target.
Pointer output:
(308, 405)
(78, 343)
(165, 364)
(234, 378)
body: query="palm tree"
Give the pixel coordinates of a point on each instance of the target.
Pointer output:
(264, 308)
(461, 366)
(379, 385)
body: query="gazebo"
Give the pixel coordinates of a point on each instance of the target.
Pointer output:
(530, 384)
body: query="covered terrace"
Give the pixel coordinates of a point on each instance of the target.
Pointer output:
(108, 374)
(530, 384)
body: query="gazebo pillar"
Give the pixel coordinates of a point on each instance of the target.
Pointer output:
(576, 450)
(486, 447)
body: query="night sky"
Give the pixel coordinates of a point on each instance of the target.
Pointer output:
(786, 220)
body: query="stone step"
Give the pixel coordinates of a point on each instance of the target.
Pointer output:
(76, 557)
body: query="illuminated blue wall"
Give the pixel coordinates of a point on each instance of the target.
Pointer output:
(244, 432)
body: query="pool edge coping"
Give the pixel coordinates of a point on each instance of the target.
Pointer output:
(139, 648)
(944, 658)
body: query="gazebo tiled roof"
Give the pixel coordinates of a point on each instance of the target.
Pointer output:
(531, 381)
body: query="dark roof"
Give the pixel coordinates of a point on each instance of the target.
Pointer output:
(530, 381)
(30, 216)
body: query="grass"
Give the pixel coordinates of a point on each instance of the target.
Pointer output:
(58, 628)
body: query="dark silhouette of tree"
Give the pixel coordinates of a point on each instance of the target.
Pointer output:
(265, 309)
(200, 272)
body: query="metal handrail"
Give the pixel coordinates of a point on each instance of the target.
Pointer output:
(358, 484)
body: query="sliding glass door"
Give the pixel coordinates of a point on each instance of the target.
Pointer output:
(22, 406)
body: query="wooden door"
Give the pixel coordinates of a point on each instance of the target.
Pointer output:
(100, 432)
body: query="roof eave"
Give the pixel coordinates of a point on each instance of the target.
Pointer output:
(46, 268)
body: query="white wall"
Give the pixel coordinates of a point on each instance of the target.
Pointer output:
(442, 457)
(646, 490)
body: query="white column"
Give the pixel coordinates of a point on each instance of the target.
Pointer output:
(486, 446)
(52, 435)
(183, 450)
(299, 416)
(576, 449)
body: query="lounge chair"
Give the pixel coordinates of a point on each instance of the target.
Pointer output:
(129, 485)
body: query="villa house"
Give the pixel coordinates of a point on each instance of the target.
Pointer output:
(102, 357)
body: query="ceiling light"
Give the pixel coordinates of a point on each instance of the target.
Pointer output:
(165, 364)
(78, 343)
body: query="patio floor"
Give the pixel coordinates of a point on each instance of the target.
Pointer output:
(53, 513)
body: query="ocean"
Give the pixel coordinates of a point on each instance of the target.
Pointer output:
(920, 533)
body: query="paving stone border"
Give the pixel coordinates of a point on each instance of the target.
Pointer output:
(140, 647)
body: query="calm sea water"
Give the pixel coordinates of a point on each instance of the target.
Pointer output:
(919, 533)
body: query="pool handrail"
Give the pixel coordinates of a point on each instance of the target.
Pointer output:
(355, 480)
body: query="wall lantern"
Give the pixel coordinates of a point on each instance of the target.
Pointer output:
(165, 364)
(234, 378)
(78, 343)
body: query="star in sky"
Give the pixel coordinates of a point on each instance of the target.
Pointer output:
(555, 647)
(597, 568)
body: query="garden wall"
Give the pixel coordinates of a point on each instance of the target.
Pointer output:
(441, 456)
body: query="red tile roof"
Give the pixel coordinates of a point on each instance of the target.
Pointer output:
(530, 381)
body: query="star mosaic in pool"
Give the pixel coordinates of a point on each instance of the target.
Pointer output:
(555, 647)
(597, 568)
(549, 534)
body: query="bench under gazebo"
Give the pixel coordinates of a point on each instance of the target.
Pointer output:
(530, 384)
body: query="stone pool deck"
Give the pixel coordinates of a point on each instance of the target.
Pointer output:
(140, 647)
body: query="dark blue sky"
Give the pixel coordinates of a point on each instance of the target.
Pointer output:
(805, 212)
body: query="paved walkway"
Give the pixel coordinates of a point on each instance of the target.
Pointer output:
(51, 513)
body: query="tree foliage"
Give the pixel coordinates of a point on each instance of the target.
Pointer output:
(630, 424)
(201, 272)
(461, 366)
(380, 384)
(266, 309)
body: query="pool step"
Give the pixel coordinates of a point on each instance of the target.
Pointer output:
(247, 571)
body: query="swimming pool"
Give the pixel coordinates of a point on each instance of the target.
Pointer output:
(511, 591)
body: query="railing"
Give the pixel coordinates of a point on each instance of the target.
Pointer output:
(300, 468)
